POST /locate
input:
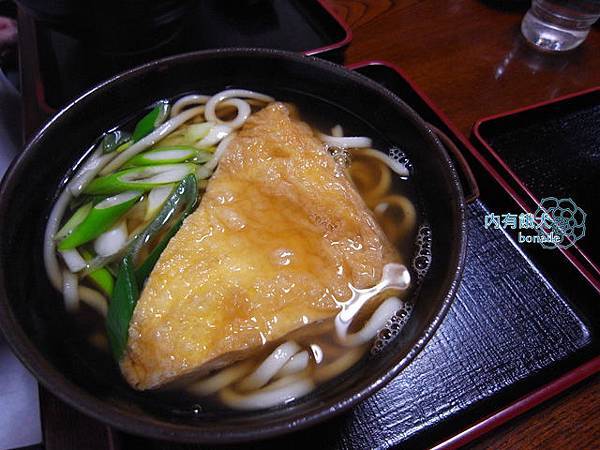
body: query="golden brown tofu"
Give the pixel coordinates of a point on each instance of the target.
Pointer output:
(277, 238)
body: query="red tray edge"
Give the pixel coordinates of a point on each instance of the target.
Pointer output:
(341, 22)
(545, 392)
(524, 404)
(588, 268)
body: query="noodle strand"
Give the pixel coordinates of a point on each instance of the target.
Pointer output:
(280, 392)
(396, 166)
(340, 365)
(395, 229)
(94, 299)
(88, 171)
(270, 366)
(50, 259)
(211, 105)
(297, 363)
(375, 323)
(221, 379)
(346, 142)
(188, 100)
(70, 290)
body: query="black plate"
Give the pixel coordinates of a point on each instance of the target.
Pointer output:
(40, 332)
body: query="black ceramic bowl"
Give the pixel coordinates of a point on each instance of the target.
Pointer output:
(31, 312)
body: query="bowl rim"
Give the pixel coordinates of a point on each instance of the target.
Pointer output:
(147, 426)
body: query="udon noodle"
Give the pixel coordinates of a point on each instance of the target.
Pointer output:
(133, 177)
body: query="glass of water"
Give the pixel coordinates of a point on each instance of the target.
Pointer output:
(559, 25)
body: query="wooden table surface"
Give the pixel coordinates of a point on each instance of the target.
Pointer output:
(469, 57)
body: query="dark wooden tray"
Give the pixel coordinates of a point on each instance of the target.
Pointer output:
(57, 68)
(552, 149)
(520, 330)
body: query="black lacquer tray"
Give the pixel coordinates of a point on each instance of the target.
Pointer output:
(552, 149)
(57, 67)
(510, 340)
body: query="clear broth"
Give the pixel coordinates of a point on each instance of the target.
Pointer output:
(409, 243)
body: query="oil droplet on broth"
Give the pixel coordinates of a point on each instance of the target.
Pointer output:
(282, 256)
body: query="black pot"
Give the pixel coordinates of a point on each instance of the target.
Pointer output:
(31, 312)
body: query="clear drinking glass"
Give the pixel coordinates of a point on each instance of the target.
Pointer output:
(555, 25)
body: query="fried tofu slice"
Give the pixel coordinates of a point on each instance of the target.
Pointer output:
(277, 238)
